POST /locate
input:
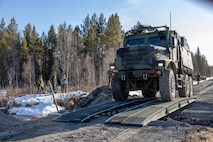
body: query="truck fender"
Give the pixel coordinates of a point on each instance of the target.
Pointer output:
(171, 65)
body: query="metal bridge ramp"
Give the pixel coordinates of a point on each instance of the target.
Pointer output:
(87, 113)
(143, 116)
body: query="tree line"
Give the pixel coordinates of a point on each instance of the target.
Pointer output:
(82, 53)
(201, 66)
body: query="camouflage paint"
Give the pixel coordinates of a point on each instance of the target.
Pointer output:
(141, 59)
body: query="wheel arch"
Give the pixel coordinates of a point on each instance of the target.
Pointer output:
(171, 65)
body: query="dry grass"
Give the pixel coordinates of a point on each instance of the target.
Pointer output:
(69, 103)
(13, 93)
(19, 92)
(3, 101)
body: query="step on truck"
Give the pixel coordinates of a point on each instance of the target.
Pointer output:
(155, 60)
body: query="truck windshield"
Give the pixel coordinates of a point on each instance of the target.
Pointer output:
(154, 40)
(135, 41)
(157, 40)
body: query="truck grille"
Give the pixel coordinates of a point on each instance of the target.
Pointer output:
(136, 58)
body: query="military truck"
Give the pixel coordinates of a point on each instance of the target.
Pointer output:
(155, 60)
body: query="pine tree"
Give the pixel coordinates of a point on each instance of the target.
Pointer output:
(113, 32)
(200, 63)
(137, 26)
(91, 41)
(36, 51)
(112, 38)
(4, 47)
(198, 59)
(86, 26)
(101, 24)
(24, 50)
(27, 34)
(51, 51)
(28, 73)
(94, 21)
(14, 43)
(23, 56)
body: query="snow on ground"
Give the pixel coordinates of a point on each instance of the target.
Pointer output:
(28, 106)
(42, 104)
(39, 104)
(3, 92)
(208, 78)
(135, 93)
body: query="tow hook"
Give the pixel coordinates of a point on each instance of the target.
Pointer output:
(145, 76)
(123, 77)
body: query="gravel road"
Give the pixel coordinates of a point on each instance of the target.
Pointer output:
(192, 124)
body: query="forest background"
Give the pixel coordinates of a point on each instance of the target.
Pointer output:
(82, 53)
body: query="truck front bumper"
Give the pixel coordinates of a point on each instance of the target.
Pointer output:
(137, 74)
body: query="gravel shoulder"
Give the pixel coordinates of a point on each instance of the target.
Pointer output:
(194, 123)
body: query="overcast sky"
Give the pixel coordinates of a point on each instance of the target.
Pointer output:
(191, 19)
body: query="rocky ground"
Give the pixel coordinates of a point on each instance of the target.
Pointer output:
(192, 124)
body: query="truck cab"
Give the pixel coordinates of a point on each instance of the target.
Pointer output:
(153, 60)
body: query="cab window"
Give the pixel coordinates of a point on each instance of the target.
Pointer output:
(135, 41)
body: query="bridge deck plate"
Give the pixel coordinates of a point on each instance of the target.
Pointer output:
(142, 116)
(85, 114)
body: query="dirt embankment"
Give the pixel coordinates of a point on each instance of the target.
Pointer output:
(194, 123)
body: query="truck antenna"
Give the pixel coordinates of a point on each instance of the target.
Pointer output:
(170, 21)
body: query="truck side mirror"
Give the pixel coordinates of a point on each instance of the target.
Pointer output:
(174, 42)
(182, 41)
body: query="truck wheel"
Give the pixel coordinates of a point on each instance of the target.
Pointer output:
(185, 91)
(167, 85)
(118, 90)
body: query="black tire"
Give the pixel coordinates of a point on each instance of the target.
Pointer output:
(185, 91)
(167, 85)
(118, 90)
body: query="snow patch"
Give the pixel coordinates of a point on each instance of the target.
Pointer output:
(38, 104)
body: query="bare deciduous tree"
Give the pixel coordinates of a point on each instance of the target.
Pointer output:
(29, 74)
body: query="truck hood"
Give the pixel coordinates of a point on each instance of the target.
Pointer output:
(139, 57)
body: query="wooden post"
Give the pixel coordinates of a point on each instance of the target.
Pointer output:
(54, 100)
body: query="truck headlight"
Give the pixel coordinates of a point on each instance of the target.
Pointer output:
(112, 67)
(160, 64)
